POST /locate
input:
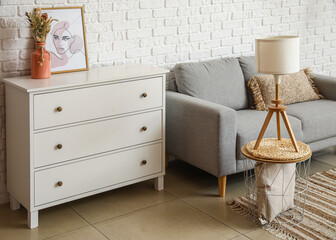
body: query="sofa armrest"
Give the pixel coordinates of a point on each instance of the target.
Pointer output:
(326, 86)
(201, 133)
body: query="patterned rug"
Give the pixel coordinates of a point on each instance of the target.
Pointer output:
(320, 210)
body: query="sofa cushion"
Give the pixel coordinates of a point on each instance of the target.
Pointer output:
(247, 64)
(318, 118)
(220, 81)
(249, 123)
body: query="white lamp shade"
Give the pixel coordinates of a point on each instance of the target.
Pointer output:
(278, 55)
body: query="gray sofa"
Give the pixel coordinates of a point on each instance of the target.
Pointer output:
(209, 115)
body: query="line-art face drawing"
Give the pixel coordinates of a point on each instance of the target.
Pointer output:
(66, 44)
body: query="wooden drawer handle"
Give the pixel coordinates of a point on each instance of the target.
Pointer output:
(59, 109)
(144, 95)
(143, 162)
(144, 128)
(59, 183)
(59, 146)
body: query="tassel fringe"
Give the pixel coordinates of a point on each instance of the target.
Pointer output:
(258, 98)
(310, 77)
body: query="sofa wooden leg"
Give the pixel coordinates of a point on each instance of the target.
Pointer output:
(222, 185)
(167, 158)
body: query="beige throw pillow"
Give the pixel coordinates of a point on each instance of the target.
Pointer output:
(296, 87)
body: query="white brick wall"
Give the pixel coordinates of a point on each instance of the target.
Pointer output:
(164, 32)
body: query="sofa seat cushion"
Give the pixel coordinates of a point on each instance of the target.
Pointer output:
(318, 118)
(219, 81)
(249, 123)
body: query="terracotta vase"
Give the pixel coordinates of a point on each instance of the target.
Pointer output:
(40, 62)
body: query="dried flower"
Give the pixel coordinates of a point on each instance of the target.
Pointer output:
(45, 16)
(39, 24)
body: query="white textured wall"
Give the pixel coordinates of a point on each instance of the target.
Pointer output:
(164, 32)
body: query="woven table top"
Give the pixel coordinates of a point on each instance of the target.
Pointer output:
(277, 151)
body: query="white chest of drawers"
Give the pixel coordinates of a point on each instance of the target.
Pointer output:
(79, 134)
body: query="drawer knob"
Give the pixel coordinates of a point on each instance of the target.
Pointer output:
(143, 162)
(144, 128)
(144, 95)
(59, 183)
(59, 109)
(59, 146)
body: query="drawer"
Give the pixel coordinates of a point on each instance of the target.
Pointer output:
(96, 102)
(87, 139)
(93, 174)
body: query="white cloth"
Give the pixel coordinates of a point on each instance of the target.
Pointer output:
(275, 183)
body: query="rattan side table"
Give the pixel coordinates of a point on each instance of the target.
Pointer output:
(295, 214)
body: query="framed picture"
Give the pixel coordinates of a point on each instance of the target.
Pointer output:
(66, 41)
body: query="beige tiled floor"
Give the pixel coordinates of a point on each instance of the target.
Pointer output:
(188, 208)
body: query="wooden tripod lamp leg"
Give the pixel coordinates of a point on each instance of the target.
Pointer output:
(278, 125)
(289, 130)
(277, 86)
(263, 129)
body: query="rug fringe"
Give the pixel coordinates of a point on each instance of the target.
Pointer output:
(274, 230)
(235, 206)
(279, 233)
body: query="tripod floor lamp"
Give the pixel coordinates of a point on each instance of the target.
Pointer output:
(278, 56)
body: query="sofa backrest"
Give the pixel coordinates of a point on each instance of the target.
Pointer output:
(247, 64)
(171, 81)
(220, 81)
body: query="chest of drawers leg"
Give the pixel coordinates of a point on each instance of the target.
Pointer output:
(68, 141)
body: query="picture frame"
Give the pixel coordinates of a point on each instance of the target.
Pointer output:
(66, 41)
